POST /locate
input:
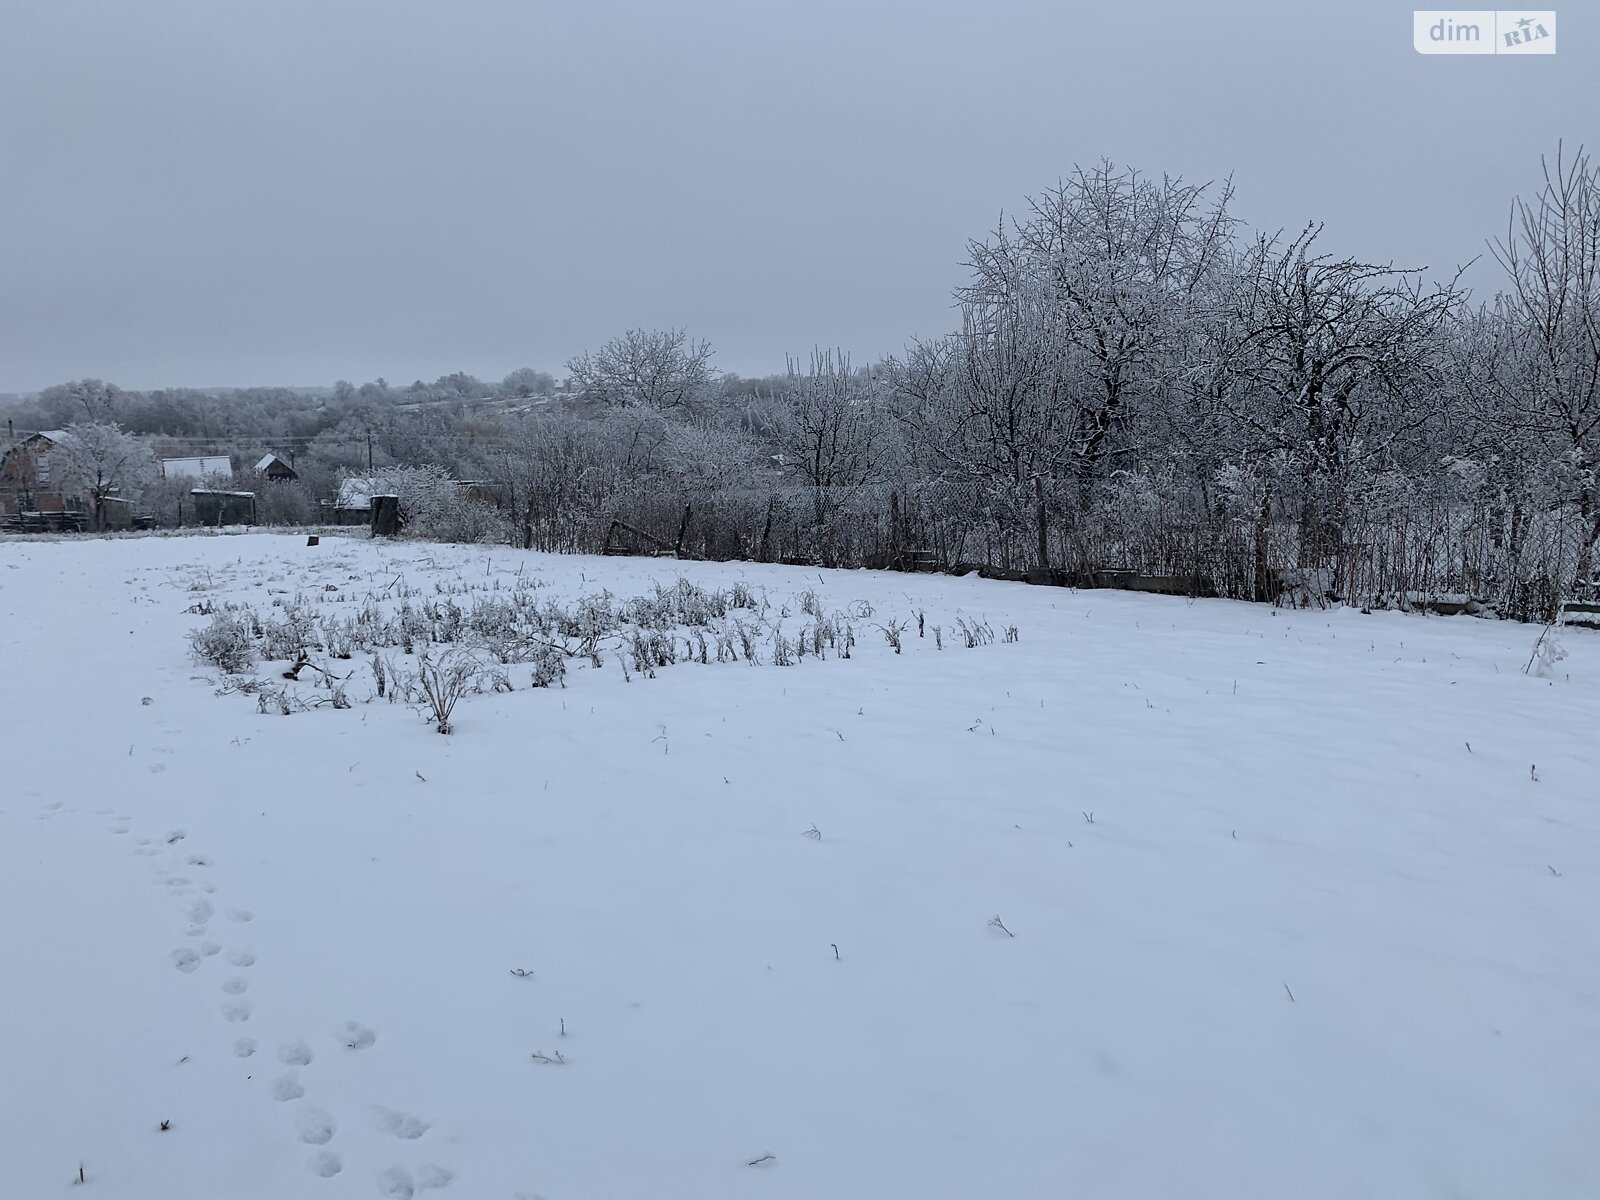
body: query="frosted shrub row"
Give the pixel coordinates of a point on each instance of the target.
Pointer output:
(465, 638)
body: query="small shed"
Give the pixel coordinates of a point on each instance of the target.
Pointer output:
(116, 513)
(275, 469)
(213, 507)
(354, 505)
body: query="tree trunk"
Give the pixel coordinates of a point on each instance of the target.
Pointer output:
(1044, 527)
(1583, 581)
(1263, 580)
(896, 537)
(766, 531)
(683, 532)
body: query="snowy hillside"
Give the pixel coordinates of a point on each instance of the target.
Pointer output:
(1132, 897)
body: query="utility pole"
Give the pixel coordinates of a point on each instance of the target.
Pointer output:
(369, 450)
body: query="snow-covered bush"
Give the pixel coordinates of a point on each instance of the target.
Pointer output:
(1548, 654)
(549, 666)
(443, 681)
(455, 517)
(429, 643)
(287, 502)
(422, 491)
(289, 636)
(225, 643)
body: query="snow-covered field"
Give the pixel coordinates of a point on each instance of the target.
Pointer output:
(1161, 899)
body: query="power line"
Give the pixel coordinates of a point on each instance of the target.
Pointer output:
(304, 439)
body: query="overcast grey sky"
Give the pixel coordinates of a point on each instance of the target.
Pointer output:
(294, 191)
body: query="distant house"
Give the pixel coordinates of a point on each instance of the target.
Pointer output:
(275, 469)
(196, 468)
(485, 491)
(213, 507)
(354, 504)
(32, 481)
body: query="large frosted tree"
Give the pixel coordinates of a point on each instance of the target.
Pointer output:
(1329, 364)
(830, 428)
(1097, 282)
(1541, 378)
(662, 369)
(103, 463)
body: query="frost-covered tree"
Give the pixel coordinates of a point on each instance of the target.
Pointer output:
(101, 462)
(559, 470)
(1541, 371)
(525, 382)
(1332, 362)
(90, 401)
(830, 429)
(991, 406)
(1109, 267)
(1130, 382)
(699, 458)
(660, 369)
(459, 385)
(423, 491)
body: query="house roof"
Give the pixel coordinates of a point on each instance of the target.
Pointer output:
(269, 460)
(196, 468)
(216, 492)
(357, 492)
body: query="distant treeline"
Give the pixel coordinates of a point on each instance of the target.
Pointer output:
(1135, 382)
